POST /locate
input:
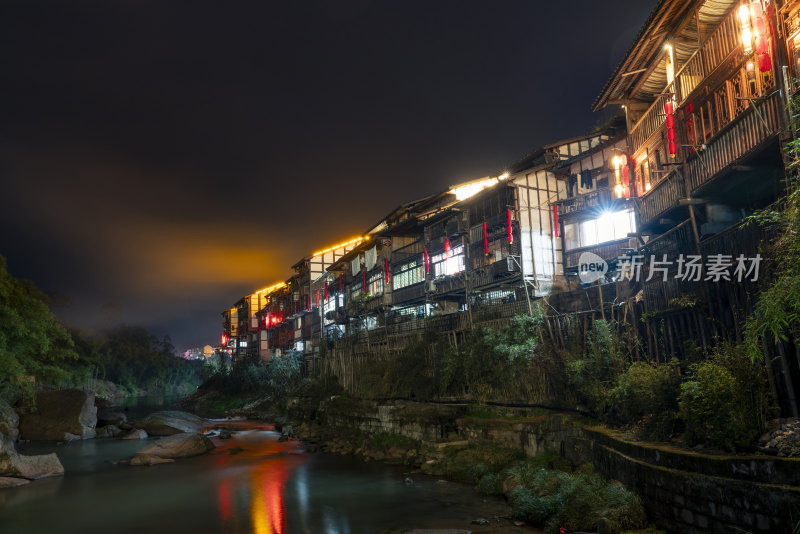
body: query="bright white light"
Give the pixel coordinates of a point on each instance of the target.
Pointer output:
(619, 190)
(465, 191)
(503, 176)
(744, 14)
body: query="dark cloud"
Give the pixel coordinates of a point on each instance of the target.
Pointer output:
(161, 159)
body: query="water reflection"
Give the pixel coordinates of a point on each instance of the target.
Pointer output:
(251, 484)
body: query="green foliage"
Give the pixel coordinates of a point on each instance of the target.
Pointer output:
(726, 401)
(511, 364)
(596, 374)
(409, 374)
(776, 316)
(475, 462)
(577, 502)
(33, 345)
(134, 359)
(647, 393)
(387, 440)
(274, 378)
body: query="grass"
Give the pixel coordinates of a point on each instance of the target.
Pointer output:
(542, 495)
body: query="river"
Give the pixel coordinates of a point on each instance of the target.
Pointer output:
(271, 487)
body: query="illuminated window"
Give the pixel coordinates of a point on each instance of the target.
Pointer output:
(375, 284)
(448, 266)
(610, 226)
(408, 274)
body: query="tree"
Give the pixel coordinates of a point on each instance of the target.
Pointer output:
(34, 347)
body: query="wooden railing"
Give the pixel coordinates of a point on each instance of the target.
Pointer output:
(759, 122)
(711, 54)
(406, 294)
(594, 199)
(607, 251)
(652, 121)
(661, 198)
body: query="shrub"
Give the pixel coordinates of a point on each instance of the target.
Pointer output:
(725, 402)
(648, 394)
(596, 374)
(577, 501)
(513, 364)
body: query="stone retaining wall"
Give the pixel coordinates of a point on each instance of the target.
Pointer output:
(683, 492)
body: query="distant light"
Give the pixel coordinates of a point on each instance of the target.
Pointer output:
(353, 241)
(270, 289)
(619, 190)
(744, 14)
(463, 192)
(504, 176)
(647, 186)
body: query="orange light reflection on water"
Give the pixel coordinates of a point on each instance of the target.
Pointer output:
(267, 468)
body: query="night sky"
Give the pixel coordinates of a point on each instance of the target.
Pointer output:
(160, 159)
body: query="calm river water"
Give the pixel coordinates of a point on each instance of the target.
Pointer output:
(271, 487)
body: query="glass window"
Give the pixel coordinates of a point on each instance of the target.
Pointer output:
(449, 266)
(589, 233)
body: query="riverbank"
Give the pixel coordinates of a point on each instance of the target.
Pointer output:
(682, 491)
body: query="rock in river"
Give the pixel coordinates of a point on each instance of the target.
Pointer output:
(13, 464)
(69, 411)
(136, 433)
(149, 459)
(9, 420)
(168, 423)
(179, 446)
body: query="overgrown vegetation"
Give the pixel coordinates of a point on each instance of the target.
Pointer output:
(722, 401)
(36, 351)
(514, 364)
(544, 496)
(272, 379)
(34, 348)
(725, 400)
(134, 359)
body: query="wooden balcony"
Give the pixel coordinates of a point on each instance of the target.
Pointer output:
(652, 122)
(758, 123)
(408, 294)
(595, 199)
(608, 251)
(717, 50)
(661, 198)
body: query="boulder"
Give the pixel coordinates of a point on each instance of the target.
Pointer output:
(110, 431)
(105, 417)
(179, 446)
(148, 459)
(9, 421)
(136, 433)
(70, 411)
(11, 482)
(168, 423)
(13, 464)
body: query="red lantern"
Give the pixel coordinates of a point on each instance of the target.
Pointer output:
(509, 229)
(386, 270)
(317, 298)
(446, 248)
(557, 229)
(326, 291)
(427, 260)
(485, 240)
(224, 340)
(673, 146)
(764, 62)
